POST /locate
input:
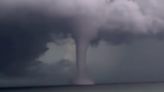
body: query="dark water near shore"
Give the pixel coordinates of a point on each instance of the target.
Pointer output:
(151, 87)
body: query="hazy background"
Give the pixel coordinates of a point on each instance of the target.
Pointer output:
(139, 61)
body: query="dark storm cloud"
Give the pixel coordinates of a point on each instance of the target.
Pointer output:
(89, 18)
(24, 33)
